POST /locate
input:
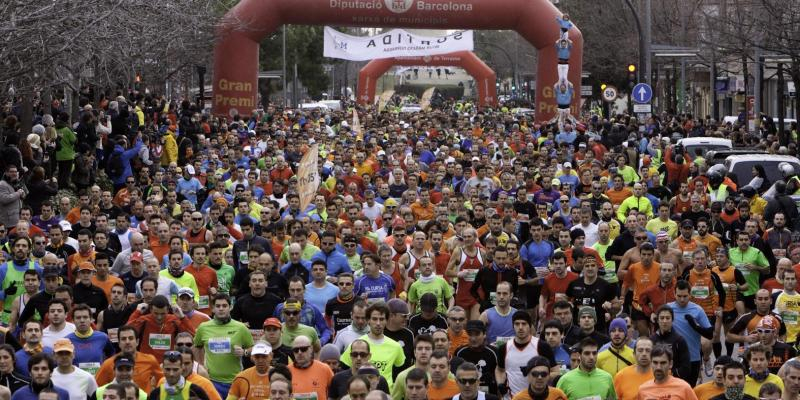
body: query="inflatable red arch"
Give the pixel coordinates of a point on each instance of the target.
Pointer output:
(244, 26)
(483, 75)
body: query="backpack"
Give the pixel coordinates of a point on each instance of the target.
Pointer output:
(115, 167)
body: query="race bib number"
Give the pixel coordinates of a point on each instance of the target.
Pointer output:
(219, 345)
(493, 298)
(502, 340)
(305, 396)
(700, 292)
(374, 300)
(591, 398)
(90, 367)
(243, 258)
(203, 302)
(779, 253)
(744, 270)
(470, 275)
(160, 341)
(789, 317)
(113, 335)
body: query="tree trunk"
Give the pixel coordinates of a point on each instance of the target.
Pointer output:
(27, 115)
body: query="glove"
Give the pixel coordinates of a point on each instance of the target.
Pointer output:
(12, 290)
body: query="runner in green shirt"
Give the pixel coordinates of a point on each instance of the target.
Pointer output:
(750, 261)
(222, 342)
(587, 381)
(428, 282)
(386, 353)
(216, 260)
(292, 327)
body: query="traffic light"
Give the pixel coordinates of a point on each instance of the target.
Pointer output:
(632, 73)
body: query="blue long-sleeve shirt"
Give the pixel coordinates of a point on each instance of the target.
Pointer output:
(311, 316)
(336, 262)
(127, 156)
(681, 326)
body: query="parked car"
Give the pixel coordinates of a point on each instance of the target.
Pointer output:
(742, 166)
(705, 144)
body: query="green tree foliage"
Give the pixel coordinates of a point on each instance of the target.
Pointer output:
(304, 46)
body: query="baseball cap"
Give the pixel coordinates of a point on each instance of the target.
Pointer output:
(123, 361)
(51, 271)
(397, 306)
(189, 169)
(475, 325)
(86, 266)
(586, 310)
(261, 348)
(428, 302)
(185, 291)
(65, 225)
(137, 256)
(63, 345)
(687, 223)
(567, 164)
(274, 322)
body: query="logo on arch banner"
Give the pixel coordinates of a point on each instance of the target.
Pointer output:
(398, 6)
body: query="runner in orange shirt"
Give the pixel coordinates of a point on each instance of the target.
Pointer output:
(638, 278)
(707, 292)
(253, 383)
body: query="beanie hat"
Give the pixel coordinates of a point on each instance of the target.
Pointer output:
(329, 352)
(586, 310)
(618, 323)
(576, 233)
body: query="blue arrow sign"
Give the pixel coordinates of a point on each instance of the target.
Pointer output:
(642, 93)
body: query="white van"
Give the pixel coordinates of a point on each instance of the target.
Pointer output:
(705, 144)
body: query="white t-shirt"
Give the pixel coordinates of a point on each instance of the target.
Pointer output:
(49, 336)
(79, 384)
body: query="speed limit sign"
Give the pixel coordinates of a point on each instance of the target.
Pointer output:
(610, 93)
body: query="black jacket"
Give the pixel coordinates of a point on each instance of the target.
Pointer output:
(681, 366)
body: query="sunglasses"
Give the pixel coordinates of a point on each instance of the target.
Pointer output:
(345, 283)
(539, 374)
(468, 381)
(184, 344)
(349, 245)
(292, 313)
(457, 319)
(298, 350)
(197, 219)
(172, 355)
(640, 238)
(359, 354)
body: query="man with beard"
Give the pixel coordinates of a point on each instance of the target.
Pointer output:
(734, 379)
(512, 356)
(40, 367)
(176, 273)
(663, 382)
(628, 380)
(716, 386)
(618, 355)
(587, 380)
(12, 275)
(112, 318)
(216, 261)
